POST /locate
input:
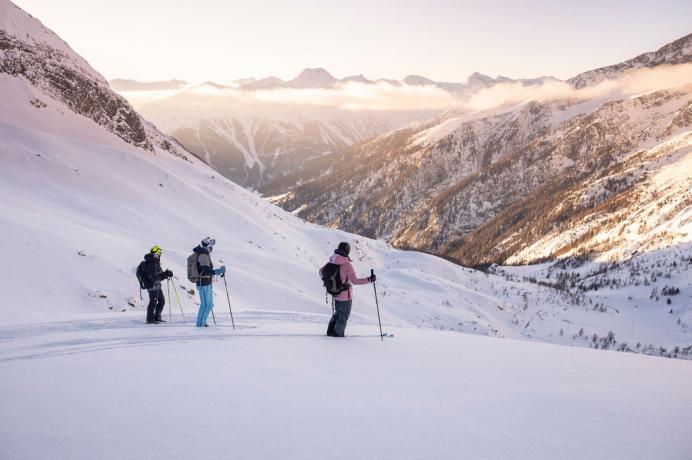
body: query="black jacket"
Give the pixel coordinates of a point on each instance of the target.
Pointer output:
(205, 267)
(153, 274)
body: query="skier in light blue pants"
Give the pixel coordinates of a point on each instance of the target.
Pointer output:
(206, 271)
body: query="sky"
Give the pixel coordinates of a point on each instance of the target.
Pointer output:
(446, 40)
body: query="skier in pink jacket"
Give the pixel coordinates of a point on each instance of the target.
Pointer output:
(343, 301)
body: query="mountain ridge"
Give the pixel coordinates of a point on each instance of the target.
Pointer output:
(319, 78)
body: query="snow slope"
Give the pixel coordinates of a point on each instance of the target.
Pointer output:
(121, 390)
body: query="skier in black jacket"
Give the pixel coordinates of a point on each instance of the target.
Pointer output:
(206, 271)
(153, 275)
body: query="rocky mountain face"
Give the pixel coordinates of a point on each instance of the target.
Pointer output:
(257, 143)
(254, 141)
(253, 152)
(496, 187)
(584, 188)
(49, 64)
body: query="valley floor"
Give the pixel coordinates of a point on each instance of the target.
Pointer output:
(113, 387)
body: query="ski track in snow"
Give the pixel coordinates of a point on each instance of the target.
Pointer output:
(133, 332)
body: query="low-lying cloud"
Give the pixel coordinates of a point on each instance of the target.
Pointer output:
(384, 96)
(631, 83)
(360, 96)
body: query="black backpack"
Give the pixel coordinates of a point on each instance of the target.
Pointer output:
(141, 274)
(331, 278)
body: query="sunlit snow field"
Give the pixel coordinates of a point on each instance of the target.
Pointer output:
(277, 387)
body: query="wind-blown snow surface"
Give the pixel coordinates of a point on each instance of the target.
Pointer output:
(276, 388)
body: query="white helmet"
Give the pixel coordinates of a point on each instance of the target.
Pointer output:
(208, 243)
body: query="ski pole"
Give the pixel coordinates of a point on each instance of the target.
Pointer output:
(229, 300)
(213, 317)
(175, 289)
(168, 285)
(372, 273)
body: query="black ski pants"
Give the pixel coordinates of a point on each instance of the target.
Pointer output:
(156, 303)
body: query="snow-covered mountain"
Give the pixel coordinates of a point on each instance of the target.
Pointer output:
(256, 141)
(464, 172)
(30, 51)
(602, 180)
(313, 78)
(676, 52)
(252, 142)
(319, 78)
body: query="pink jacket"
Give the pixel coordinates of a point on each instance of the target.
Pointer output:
(347, 275)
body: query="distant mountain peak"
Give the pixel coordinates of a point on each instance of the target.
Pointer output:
(312, 71)
(360, 78)
(244, 81)
(479, 79)
(264, 83)
(390, 81)
(417, 80)
(313, 78)
(214, 85)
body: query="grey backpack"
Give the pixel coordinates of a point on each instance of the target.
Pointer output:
(192, 272)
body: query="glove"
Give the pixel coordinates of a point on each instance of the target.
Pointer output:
(220, 271)
(372, 278)
(168, 273)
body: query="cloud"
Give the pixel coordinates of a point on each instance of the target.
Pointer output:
(384, 96)
(631, 83)
(356, 96)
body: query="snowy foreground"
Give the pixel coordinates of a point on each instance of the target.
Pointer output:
(277, 388)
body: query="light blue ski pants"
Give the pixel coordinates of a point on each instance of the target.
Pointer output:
(206, 303)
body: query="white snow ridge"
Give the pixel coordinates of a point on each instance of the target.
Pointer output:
(467, 372)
